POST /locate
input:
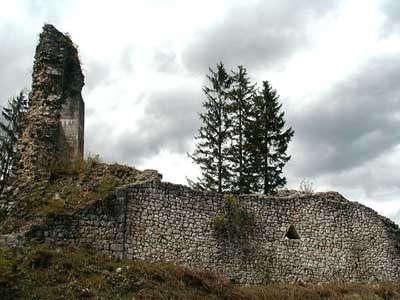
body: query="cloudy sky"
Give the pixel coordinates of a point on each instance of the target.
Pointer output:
(335, 64)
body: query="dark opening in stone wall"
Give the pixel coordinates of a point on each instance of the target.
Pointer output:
(292, 234)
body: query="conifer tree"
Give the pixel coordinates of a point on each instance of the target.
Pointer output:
(214, 135)
(11, 127)
(240, 98)
(268, 140)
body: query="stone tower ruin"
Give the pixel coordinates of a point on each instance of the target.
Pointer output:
(72, 120)
(54, 131)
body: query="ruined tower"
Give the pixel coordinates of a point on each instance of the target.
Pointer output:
(54, 129)
(72, 120)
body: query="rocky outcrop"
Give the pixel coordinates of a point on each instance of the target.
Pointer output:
(57, 78)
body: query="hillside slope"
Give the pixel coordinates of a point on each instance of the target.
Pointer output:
(42, 272)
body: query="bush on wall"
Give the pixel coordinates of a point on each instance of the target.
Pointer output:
(235, 223)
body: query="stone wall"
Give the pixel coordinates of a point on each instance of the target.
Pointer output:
(72, 119)
(339, 240)
(13, 240)
(57, 81)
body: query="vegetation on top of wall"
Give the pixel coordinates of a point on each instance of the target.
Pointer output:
(306, 186)
(42, 272)
(92, 160)
(75, 166)
(236, 222)
(59, 197)
(70, 190)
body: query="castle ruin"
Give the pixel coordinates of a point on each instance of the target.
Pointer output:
(54, 132)
(297, 237)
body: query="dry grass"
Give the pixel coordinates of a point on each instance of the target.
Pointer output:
(69, 189)
(333, 291)
(40, 272)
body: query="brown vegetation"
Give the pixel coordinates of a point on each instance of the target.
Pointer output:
(68, 190)
(41, 272)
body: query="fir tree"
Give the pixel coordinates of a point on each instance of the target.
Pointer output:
(214, 135)
(268, 140)
(240, 104)
(11, 127)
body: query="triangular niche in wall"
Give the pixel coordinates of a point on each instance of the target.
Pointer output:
(292, 234)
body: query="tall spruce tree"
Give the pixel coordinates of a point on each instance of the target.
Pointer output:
(241, 94)
(11, 126)
(268, 140)
(213, 139)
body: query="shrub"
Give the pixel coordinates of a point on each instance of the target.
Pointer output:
(236, 222)
(306, 186)
(91, 161)
(74, 166)
(53, 206)
(40, 258)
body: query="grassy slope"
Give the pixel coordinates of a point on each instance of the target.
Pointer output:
(41, 272)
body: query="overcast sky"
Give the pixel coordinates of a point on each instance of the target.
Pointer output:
(335, 64)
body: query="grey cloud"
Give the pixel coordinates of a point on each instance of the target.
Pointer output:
(125, 61)
(19, 41)
(100, 138)
(396, 217)
(391, 11)
(96, 74)
(166, 61)
(169, 123)
(377, 179)
(16, 57)
(90, 112)
(258, 36)
(356, 122)
(49, 11)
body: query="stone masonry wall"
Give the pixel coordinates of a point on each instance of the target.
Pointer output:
(339, 240)
(72, 119)
(56, 80)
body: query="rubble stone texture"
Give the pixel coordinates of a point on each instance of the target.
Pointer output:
(55, 120)
(338, 240)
